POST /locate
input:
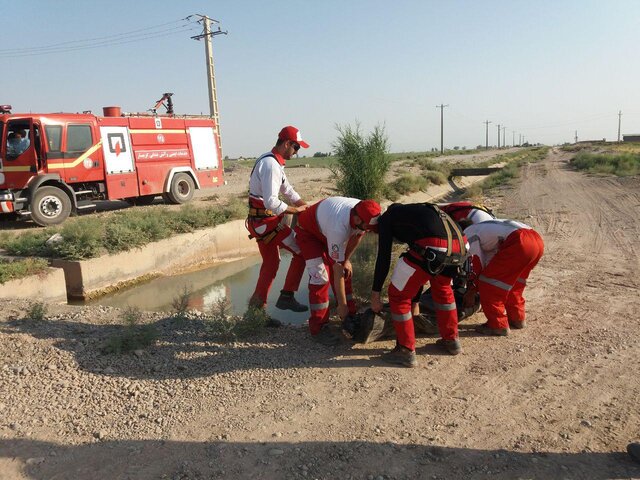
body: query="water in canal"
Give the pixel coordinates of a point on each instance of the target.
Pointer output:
(236, 282)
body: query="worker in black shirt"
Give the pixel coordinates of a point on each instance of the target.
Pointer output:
(436, 249)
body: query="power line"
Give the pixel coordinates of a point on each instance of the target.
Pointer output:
(117, 39)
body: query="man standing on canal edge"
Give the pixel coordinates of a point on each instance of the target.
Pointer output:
(265, 220)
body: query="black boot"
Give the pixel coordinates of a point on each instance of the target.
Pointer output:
(286, 301)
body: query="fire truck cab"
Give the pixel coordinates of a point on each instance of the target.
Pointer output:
(54, 164)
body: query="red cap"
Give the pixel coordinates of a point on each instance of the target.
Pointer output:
(292, 134)
(369, 212)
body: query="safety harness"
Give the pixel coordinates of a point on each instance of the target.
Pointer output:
(435, 261)
(259, 213)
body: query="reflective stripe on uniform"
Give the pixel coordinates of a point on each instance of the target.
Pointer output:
(495, 283)
(444, 306)
(319, 306)
(401, 317)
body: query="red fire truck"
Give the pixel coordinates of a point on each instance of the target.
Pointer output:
(57, 163)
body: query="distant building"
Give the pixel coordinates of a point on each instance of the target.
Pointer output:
(631, 137)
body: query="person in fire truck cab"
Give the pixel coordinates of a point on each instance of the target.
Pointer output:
(17, 142)
(328, 233)
(265, 221)
(437, 249)
(507, 252)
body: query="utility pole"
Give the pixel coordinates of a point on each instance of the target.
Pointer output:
(498, 136)
(576, 136)
(619, 121)
(487, 122)
(504, 136)
(513, 138)
(519, 139)
(441, 107)
(211, 77)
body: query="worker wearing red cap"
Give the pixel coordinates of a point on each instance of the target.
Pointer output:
(507, 251)
(328, 232)
(265, 220)
(436, 251)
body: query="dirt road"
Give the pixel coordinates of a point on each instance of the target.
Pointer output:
(559, 399)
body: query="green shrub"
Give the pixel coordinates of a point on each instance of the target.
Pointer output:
(222, 325)
(89, 237)
(623, 164)
(436, 177)
(11, 270)
(362, 162)
(409, 184)
(133, 336)
(252, 322)
(180, 303)
(29, 244)
(37, 311)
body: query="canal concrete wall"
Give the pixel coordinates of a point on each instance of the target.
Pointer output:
(204, 247)
(48, 285)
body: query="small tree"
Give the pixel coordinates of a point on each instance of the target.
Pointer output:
(362, 162)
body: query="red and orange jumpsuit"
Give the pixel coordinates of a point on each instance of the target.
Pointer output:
(416, 225)
(323, 233)
(508, 251)
(266, 182)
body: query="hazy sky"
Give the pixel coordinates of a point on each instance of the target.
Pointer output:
(542, 68)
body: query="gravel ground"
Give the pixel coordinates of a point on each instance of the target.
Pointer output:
(558, 399)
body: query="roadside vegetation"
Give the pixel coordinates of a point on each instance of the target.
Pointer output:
(621, 164)
(219, 322)
(88, 237)
(611, 158)
(10, 270)
(363, 161)
(511, 170)
(132, 336)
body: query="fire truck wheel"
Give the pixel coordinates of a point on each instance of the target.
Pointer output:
(182, 189)
(50, 206)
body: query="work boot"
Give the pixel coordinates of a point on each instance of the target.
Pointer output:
(423, 324)
(452, 347)
(633, 449)
(286, 301)
(485, 329)
(401, 356)
(326, 336)
(517, 325)
(273, 323)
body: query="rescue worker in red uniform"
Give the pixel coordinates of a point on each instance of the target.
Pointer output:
(436, 250)
(507, 251)
(328, 232)
(265, 220)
